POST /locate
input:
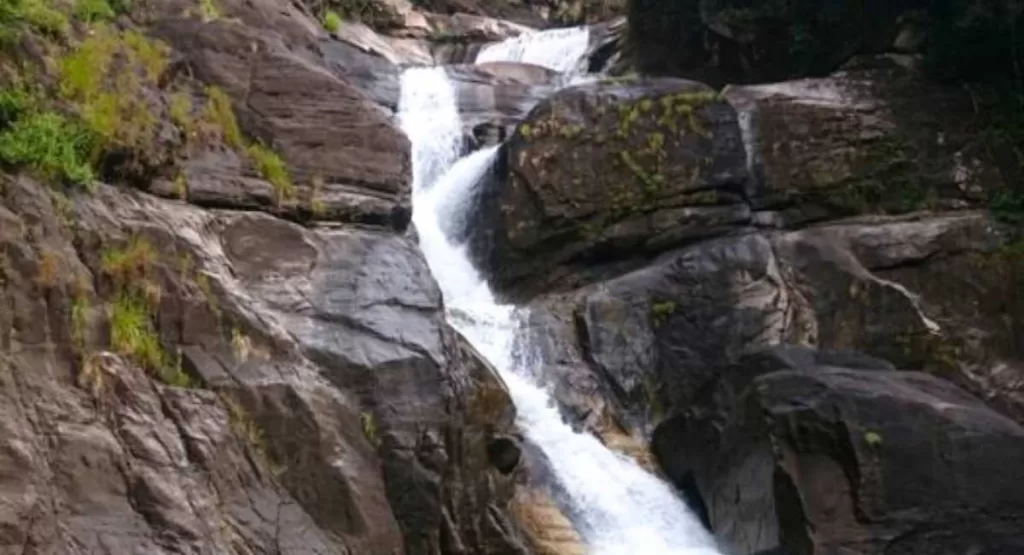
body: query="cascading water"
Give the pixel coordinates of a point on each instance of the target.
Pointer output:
(560, 49)
(619, 508)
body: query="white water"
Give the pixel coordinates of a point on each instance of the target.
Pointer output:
(618, 507)
(559, 49)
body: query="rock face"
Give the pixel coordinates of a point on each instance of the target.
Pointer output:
(603, 176)
(293, 346)
(866, 141)
(605, 171)
(285, 95)
(825, 459)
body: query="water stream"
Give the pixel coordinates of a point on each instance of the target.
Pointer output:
(618, 507)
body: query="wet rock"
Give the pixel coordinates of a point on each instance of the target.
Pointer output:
(661, 159)
(829, 458)
(499, 94)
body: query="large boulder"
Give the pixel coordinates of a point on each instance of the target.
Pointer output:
(929, 293)
(826, 459)
(610, 171)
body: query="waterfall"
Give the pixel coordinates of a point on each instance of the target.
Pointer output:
(559, 49)
(618, 507)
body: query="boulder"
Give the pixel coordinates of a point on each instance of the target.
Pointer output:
(826, 459)
(930, 293)
(878, 139)
(610, 171)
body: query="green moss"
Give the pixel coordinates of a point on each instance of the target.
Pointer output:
(332, 22)
(661, 311)
(49, 145)
(272, 168)
(369, 424)
(873, 439)
(209, 10)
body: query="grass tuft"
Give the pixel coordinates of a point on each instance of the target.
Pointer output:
(220, 113)
(107, 78)
(271, 167)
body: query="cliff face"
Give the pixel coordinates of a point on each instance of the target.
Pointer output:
(218, 335)
(190, 362)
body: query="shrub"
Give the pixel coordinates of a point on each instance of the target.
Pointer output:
(332, 22)
(49, 145)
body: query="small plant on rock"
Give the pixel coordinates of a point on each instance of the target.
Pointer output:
(332, 22)
(49, 145)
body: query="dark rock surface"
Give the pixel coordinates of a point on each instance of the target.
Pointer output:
(608, 171)
(827, 459)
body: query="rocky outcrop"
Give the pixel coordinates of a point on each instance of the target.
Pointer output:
(213, 414)
(818, 458)
(874, 140)
(607, 171)
(338, 145)
(676, 164)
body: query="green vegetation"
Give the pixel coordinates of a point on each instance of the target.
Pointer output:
(332, 22)
(49, 145)
(271, 167)
(111, 97)
(369, 424)
(661, 311)
(220, 113)
(873, 439)
(36, 14)
(209, 10)
(129, 266)
(132, 332)
(94, 10)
